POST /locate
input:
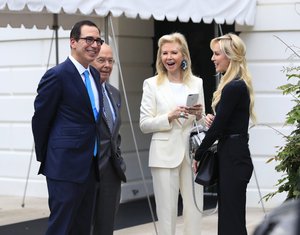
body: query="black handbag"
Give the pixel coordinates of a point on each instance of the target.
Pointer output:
(207, 170)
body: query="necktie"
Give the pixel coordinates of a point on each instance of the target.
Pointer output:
(107, 110)
(90, 92)
(92, 99)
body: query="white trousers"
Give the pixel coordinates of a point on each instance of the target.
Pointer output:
(167, 182)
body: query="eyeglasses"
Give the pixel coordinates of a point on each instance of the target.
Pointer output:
(102, 60)
(91, 40)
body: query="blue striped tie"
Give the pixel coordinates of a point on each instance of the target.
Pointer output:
(107, 111)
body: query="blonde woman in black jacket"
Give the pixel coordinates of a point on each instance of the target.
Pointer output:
(233, 103)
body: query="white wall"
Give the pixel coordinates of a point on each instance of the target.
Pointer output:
(266, 57)
(24, 60)
(134, 45)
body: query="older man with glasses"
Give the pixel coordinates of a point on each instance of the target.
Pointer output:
(109, 186)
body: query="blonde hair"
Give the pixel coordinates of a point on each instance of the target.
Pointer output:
(235, 50)
(173, 38)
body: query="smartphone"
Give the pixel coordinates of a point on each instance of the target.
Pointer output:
(192, 100)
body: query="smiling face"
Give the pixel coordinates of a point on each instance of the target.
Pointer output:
(104, 62)
(219, 58)
(81, 50)
(171, 56)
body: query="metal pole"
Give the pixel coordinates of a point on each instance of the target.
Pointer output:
(106, 34)
(27, 177)
(131, 125)
(218, 32)
(55, 28)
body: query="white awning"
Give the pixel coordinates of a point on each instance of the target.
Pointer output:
(39, 13)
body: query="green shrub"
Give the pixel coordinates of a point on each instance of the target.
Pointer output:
(288, 156)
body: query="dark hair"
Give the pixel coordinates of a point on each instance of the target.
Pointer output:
(76, 30)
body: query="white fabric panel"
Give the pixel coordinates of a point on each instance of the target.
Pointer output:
(229, 11)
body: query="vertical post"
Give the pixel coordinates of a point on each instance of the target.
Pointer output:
(106, 34)
(55, 28)
(218, 32)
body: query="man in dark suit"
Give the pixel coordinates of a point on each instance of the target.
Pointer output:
(66, 131)
(109, 186)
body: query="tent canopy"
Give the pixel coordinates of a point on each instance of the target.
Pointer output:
(39, 13)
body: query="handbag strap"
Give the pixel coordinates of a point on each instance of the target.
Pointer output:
(194, 196)
(197, 126)
(193, 183)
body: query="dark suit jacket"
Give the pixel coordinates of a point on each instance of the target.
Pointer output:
(109, 187)
(110, 142)
(63, 124)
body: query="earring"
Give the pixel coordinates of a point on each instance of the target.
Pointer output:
(183, 64)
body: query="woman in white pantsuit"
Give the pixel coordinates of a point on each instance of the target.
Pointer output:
(164, 113)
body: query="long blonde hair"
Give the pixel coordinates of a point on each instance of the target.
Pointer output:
(235, 50)
(171, 38)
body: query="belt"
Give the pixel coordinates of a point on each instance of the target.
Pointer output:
(233, 136)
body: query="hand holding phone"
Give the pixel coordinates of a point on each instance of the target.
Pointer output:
(192, 100)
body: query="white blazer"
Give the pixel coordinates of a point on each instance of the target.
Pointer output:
(170, 141)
